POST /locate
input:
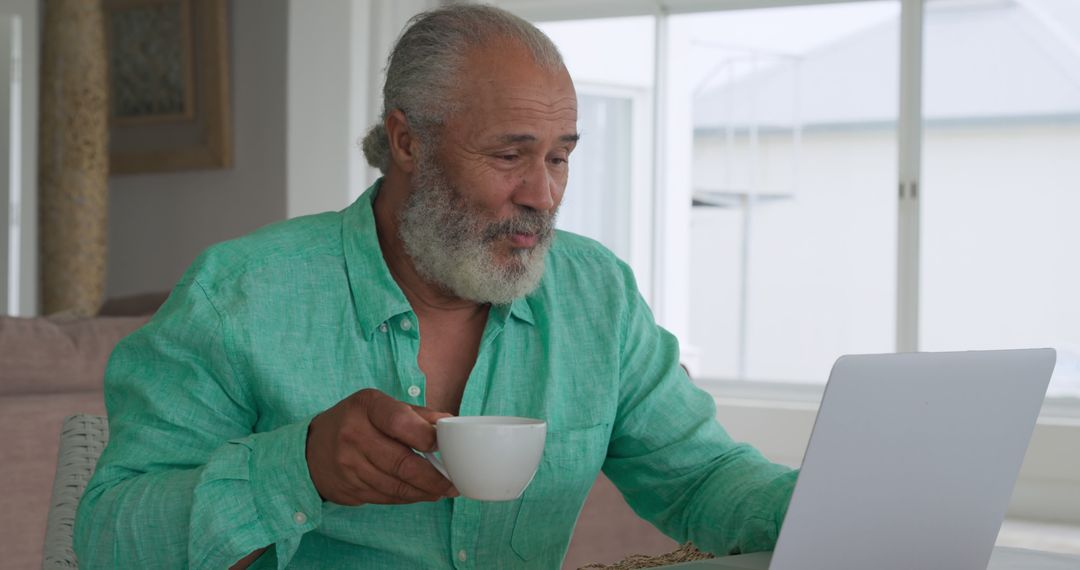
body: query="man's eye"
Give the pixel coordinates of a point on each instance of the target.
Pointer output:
(507, 157)
(559, 161)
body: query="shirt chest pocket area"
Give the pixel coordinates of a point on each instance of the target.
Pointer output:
(550, 505)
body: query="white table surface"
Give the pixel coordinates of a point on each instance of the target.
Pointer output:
(1004, 558)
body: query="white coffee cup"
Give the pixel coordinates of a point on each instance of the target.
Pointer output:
(489, 458)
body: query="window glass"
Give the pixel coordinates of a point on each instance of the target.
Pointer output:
(597, 202)
(1001, 180)
(607, 196)
(793, 247)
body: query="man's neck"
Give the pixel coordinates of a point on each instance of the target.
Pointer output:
(426, 298)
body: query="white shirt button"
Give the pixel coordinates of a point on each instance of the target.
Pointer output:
(414, 391)
(406, 324)
(383, 328)
(299, 517)
(462, 556)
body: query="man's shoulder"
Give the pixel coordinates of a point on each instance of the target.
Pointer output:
(583, 260)
(578, 248)
(582, 277)
(297, 241)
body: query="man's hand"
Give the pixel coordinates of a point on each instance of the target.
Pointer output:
(361, 451)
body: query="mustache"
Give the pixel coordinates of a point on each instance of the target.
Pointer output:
(527, 222)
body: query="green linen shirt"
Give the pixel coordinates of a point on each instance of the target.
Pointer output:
(209, 406)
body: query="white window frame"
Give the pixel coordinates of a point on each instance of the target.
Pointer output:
(642, 236)
(20, 272)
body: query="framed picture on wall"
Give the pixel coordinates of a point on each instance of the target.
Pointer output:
(168, 85)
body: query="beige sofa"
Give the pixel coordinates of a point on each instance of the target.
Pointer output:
(50, 369)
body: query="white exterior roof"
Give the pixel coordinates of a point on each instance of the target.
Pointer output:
(989, 60)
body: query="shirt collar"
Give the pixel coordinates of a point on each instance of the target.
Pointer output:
(521, 309)
(376, 296)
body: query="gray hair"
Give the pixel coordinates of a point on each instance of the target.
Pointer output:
(424, 67)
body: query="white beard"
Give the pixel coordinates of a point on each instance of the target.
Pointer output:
(452, 245)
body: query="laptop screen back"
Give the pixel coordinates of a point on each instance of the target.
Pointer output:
(912, 460)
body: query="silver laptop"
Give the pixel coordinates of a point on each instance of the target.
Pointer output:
(911, 463)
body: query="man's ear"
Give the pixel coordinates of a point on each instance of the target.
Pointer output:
(404, 145)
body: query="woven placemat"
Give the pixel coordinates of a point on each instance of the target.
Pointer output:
(685, 553)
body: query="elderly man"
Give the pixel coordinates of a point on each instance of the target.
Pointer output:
(269, 412)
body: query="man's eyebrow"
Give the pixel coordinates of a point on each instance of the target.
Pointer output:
(528, 138)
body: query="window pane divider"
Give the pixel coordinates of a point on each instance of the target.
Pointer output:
(909, 145)
(660, 135)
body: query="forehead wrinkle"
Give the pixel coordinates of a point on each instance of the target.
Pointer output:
(537, 112)
(519, 102)
(535, 105)
(543, 110)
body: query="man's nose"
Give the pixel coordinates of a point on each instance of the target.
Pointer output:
(537, 188)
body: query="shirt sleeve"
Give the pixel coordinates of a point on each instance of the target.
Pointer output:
(672, 460)
(184, 481)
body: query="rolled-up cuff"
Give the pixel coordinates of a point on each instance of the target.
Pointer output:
(254, 492)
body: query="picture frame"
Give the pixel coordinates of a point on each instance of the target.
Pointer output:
(169, 106)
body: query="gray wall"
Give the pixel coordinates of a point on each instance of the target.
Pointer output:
(159, 223)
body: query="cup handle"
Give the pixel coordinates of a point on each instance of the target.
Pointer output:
(436, 463)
